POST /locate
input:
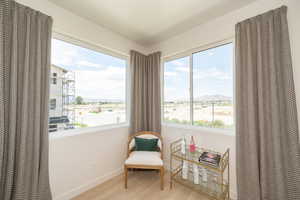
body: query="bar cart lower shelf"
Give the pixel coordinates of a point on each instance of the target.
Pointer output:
(216, 184)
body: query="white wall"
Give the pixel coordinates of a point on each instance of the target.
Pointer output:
(217, 30)
(80, 162)
(65, 22)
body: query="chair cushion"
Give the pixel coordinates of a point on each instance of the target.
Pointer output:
(142, 144)
(144, 158)
(145, 136)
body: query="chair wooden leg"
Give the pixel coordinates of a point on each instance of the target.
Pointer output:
(162, 178)
(126, 176)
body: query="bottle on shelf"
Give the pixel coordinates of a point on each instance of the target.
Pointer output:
(196, 173)
(204, 174)
(192, 145)
(185, 169)
(183, 145)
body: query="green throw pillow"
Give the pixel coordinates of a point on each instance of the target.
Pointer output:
(142, 144)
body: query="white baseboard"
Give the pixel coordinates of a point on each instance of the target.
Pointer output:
(76, 191)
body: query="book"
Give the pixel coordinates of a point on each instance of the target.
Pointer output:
(210, 158)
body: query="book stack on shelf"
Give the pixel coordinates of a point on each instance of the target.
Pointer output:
(200, 169)
(210, 158)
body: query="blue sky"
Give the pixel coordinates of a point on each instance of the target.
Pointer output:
(212, 74)
(100, 76)
(97, 76)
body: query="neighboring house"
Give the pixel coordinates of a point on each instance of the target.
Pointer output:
(59, 114)
(56, 91)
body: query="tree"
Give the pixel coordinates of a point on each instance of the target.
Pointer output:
(79, 100)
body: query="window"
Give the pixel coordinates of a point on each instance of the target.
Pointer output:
(52, 104)
(177, 92)
(54, 76)
(198, 89)
(89, 87)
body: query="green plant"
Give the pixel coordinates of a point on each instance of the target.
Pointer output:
(94, 112)
(79, 100)
(80, 125)
(203, 123)
(218, 124)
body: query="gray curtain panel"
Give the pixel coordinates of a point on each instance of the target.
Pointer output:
(24, 76)
(145, 92)
(268, 153)
(4, 35)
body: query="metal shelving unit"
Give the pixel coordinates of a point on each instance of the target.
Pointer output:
(216, 187)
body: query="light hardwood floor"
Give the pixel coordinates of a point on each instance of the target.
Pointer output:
(142, 185)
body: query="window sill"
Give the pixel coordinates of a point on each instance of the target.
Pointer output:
(74, 132)
(228, 132)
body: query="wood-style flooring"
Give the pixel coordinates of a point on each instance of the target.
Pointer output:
(142, 185)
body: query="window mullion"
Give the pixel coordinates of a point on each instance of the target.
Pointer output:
(191, 90)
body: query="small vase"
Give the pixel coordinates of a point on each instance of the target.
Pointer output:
(192, 145)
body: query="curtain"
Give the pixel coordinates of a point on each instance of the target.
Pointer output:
(145, 92)
(268, 153)
(24, 82)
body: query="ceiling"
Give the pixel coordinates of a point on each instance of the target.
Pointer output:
(150, 21)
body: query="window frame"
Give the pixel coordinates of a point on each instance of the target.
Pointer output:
(189, 53)
(102, 50)
(52, 105)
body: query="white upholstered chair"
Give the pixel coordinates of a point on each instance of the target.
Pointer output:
(144, 159)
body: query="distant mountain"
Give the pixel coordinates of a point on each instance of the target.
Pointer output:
(101, 100)
(216, 97)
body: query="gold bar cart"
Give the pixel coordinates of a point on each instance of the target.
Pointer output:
(216, 187)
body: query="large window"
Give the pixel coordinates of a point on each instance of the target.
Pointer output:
(198, 89)
(176, 92)
(89, 88)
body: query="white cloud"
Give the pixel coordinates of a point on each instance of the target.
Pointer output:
(175, 93)
(108, 83)
(63, 54)
(212, 73)
(182, 69)
(88, 64)
(92, 80)
(177, 63)
(169, 74)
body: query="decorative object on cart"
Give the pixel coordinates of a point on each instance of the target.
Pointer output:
(186, 169)
(183, 145)
(192, 145)
(196, 173)
(210, 158)
(203, 174)
(185, 166)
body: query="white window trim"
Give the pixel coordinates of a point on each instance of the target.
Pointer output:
(229, 132)
(103, 50)
(189, 53)
(89, 45)
(88, 130)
